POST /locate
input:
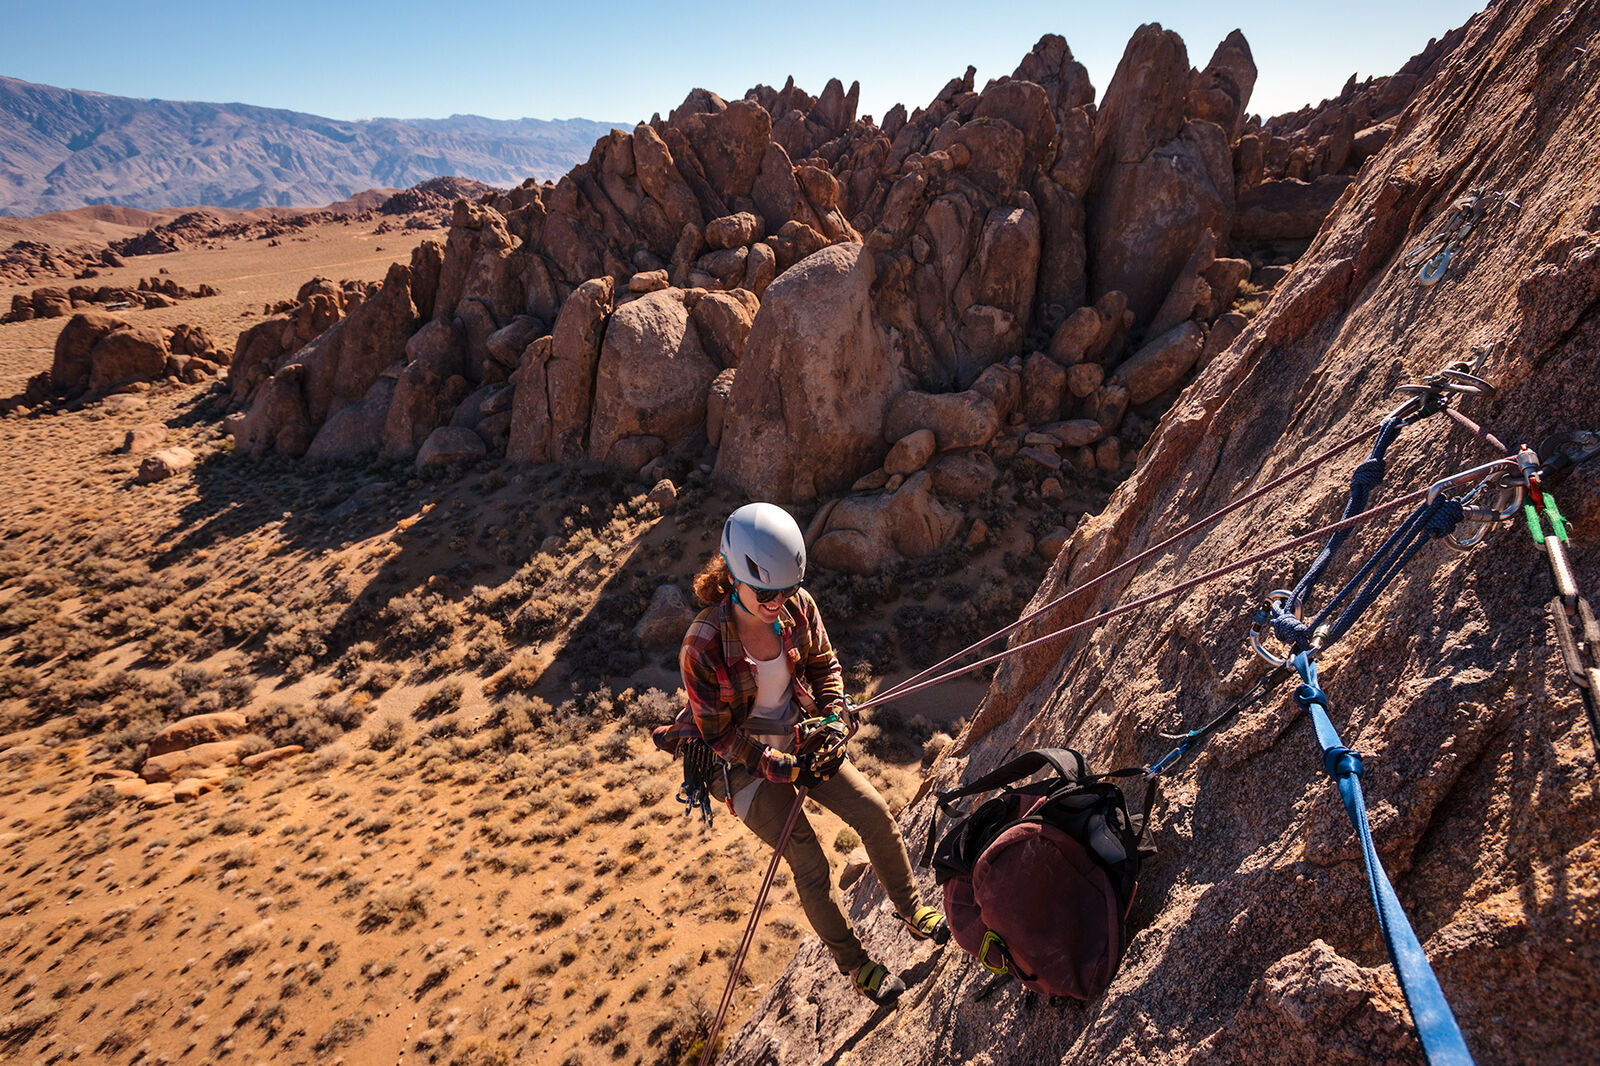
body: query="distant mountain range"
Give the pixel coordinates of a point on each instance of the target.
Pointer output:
(66, 148)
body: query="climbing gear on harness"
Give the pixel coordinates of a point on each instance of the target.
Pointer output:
(820, 726)
(700, 767)
(1441, 1038)
(819, 747)
(874, 981)
(1435, 254)
(1038, 880)
(926, 923)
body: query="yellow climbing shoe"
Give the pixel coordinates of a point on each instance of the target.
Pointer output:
(877, 983)
(926, 923)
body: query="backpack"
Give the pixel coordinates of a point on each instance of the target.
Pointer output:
(1038, 881)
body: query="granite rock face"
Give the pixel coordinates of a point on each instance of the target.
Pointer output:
(1253, 935)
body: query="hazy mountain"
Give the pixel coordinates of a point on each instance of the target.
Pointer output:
(65, 148)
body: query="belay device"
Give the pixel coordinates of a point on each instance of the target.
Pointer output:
(1038, 881)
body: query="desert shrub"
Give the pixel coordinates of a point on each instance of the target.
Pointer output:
(442, 700)
(346, 1030)
(846, 840)
(235, 690)
(404, 907)
(16, 682)
(91, 804)
(389, 733)
(310, 727)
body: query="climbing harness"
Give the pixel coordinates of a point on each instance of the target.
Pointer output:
(1442, 1043)
(827, 737)
(1435, 254)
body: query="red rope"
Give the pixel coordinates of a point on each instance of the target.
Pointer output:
(750, 930)
(1211, 575)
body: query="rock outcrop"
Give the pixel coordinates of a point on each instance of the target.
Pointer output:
(983, 268)
(1480, 769)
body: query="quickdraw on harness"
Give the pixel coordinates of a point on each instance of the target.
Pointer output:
(700, 767)
(1435, 254)
(1577, 633)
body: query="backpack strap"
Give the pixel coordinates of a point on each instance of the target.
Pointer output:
(1066, 763)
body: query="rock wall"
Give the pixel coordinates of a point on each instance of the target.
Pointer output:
(1018, 261)
(1254, 939)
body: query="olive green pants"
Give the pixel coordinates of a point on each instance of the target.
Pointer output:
(851, 797)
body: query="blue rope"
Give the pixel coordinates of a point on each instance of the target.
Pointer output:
(1362, 481)
(1429, 521)
(1442, 1043)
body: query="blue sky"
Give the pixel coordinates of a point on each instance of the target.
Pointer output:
(622, 61)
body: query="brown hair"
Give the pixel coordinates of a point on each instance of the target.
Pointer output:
(713, 581)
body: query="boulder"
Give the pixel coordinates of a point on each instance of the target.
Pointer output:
(448, 446)
(1003, 385)
(188, 762)
(567, 381)
(666, 619)
(1084, 378)
(652, 376)
(137, 353)
(734, 231)
(723, 320)
(263, 758)
(964, 475)
(1077, 432)
(863, 535)
(958, 419)
(717, 405)
(356, 430)
(806, 412)
(198, 729)
(648, 281)
(1162, 363)
(71, 366)
(1044, 384)
(169, 462)
(506, 345)
(1108, 405)
(143, 437)
(910, 453)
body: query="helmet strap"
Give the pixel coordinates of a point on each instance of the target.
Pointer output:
(777, 627)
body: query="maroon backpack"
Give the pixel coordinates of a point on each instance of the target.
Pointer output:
(1038, 881)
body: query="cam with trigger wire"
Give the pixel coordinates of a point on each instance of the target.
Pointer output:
(1435, 254)
(1577, 632)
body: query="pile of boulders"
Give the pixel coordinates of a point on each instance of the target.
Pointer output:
(803, 298)
(54, 302)
(191, 757)
(25, 261)
(101, 353)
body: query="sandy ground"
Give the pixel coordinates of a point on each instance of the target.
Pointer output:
(477, 859)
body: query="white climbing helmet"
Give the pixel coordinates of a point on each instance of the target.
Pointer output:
(763, 546)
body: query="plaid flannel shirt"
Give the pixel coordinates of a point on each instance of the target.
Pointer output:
(721, 684)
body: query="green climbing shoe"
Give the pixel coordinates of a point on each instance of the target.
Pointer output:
(877, 983)
(926, 923)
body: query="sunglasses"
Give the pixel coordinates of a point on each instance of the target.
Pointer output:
(768, 595)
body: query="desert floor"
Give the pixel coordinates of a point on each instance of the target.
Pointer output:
(478, 857)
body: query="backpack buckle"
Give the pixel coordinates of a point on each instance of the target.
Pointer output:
(992, 941)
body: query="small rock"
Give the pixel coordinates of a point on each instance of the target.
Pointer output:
(1045, 457)
(910, 453)
(448, 445)
(871, 482)
(140, 438)
(1078, 432)
(1051, 543)
(855, 864)
(1108, 456)
(664, 494)
(978, 535)
(166, 463)
(648, 281)
(262, 758)
(1052, 491)
(666, 619)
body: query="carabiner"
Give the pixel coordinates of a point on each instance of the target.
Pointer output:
(1435, 267)
(1262, 619)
